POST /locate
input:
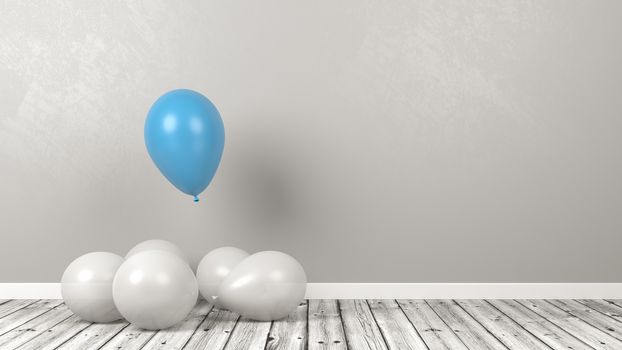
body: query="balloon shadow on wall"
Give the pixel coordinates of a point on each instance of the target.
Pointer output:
(264, 197)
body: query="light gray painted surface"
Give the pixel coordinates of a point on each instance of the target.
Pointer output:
(375, 141)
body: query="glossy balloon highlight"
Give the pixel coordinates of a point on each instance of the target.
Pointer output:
(185, 137)
(214, 268)
(265, 286)
(86, 286)
(154, 289)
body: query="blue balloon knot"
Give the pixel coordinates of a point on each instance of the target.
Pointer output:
(196, 199)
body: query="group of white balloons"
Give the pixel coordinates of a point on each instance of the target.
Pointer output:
(153, 287)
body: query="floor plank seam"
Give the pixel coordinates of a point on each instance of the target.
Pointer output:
(384, 337)
(27, 320)
(555, 325)
(117, 333)
(415, 328)
(306, 345)
(478, 322)
(235, 326)
(446, 324)
(584, 321)
(611, 317)
(54, 325)
(148, 340)
(73, 336)
(269, 336)
(520, 325)
(343, 327)
(197, 328)
(20, 308)
(614, 302)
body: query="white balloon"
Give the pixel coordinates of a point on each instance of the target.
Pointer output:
(213, 269)
(265, 286)
(157, 244)
(154, 289)
(86, 286)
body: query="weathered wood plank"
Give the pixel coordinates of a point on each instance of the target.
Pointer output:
(13, 305)
(396, 329)
(472, 334)
(94, 336)
(593, 317)
(23, 315)
(506, 330)
(549, 333)
(617, 302)
(130, 338)
(290, 333)
(610, 309)
(2, 301)
(34, 327)
(359, 325)
(432, 329)
(373, 324)
(178, 335)
(573, 325)
(325, 327)
(249, 334)
(57, 335)
(214, 332)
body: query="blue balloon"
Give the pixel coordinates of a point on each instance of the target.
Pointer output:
(185, 136)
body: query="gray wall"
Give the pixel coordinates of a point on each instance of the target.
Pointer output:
(375, 141)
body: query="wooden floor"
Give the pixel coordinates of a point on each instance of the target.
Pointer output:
(335, 324)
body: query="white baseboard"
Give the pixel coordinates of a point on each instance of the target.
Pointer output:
(464, 291)
(394, 291)
(30, 291)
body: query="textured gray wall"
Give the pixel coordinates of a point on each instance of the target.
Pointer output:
(376, 141)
